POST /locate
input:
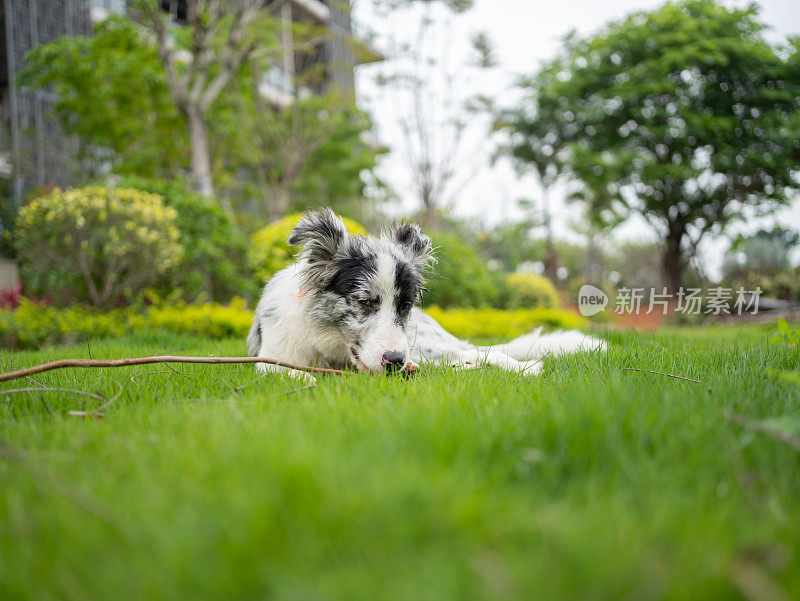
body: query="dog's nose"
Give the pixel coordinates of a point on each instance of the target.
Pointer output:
(393, 359)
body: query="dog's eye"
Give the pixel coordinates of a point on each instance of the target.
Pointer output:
(368, 303)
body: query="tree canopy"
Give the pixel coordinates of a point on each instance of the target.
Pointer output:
(688, 110)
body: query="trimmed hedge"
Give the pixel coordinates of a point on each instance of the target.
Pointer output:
(32, 325)
(498, 323)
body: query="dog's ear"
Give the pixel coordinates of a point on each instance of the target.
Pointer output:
(321, 233)
(415, 243)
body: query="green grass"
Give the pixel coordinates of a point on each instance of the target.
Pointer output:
(587, 482)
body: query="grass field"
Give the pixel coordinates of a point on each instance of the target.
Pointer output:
(587, 482)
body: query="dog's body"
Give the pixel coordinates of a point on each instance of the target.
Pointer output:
(349, 301)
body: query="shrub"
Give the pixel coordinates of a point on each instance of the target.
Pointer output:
(462, 278)
(269, 250)
(531, 291)
(96, 244)
(32, 325)
(214, 264)
(782, 284)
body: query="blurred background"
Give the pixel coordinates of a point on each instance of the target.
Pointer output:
(159, 152)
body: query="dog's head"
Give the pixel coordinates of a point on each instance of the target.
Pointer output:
(362, 289)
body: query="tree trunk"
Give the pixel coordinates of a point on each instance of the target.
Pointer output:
(277, 200)
(200, 157)
(673, 261)
(551, 257)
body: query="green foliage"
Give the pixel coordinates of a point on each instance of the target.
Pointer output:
(533, 291)
(787, 334)
(782, 284)
(462, 278)
(112, 93)
(688, 107)
(311, 152)
(214, 264)
(269, 250)
(95, 244)
(471, 324)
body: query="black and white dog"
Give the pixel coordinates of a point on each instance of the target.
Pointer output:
(350, 301)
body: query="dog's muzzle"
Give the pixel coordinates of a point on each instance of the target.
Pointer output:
(393, 360)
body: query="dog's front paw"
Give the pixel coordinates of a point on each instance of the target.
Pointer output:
(265, 368)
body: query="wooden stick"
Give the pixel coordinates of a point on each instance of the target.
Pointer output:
(649, 371)
(37, 369)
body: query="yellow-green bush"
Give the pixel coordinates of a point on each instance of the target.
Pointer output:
(32, 325)
(530, 291)
(95, 244)
(269, 250)
(497, 323)
(210, 320)
(462, 277)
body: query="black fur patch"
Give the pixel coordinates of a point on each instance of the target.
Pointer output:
(407, 284)
(350, 272)
(322, 234)
(411, 237)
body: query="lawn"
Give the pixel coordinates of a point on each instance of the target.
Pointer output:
(587, 482)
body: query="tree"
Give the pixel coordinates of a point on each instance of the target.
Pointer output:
(436, 111)
(311, 151)
(535, 151)
(129, 133)
(689, 108)
(201, 59)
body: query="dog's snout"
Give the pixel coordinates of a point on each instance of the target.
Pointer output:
(393, 359)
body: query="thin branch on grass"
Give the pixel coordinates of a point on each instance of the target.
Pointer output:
(37, 382)
(246, 384)
(98, 413)
(294, 390)
(99, 397)
(149, 373)
(36, 369)
(175, 371)
(46, 406)
(661, 373)
(756, 426)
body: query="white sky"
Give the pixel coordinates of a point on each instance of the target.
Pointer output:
(524, 33)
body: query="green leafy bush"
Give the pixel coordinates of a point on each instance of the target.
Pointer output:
(783, 284)
(269, 250)
(531, 291)
(214, 264)
(96, 244)
(462, 278)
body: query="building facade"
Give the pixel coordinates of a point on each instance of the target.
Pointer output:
(33, 149)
